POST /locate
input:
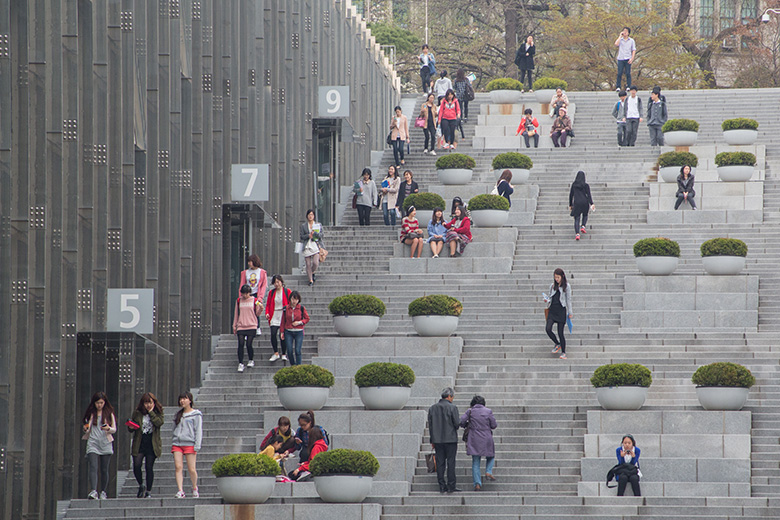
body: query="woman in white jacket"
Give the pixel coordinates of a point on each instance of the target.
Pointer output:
(559, 306)
(187, 436)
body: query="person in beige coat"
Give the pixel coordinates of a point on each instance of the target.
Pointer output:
(399, 134)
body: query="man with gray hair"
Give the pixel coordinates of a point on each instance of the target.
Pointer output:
(443, 423)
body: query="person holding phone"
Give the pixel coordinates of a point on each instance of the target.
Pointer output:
(99, 429)
(145, 426)
(529, 128)
(399, 134)
(625, 56)
(628, 453)
(559, 304)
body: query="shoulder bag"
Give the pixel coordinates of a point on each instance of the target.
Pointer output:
(419, 122)
(323, 254)
(466, 429)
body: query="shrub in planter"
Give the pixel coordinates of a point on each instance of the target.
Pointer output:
(357, 305)
(621, 374)
(677, 159)
(303, 375)
(739, 123)
(487, 201)
(724, 247)
(723, 374)
(246, 478)
(424, 201)
(546, 83)
(512, 160)
(344, 462)
(455, 161)
(244, 465)
(504, 84)
(656, 247)
(680, 125)
(384, 374)
(435, 305)
(735, 159)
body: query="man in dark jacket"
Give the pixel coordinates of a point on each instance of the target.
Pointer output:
(443, 423)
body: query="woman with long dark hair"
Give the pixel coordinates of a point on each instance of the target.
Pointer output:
(407, 187)
(559, 305)
(628, 453)
(685, 189)
(278, 299)
(580, 202)
(449, 113)
(246, 324)
(255, 277)
(436, 232)
(461, 88)
(390, 186)
(99, 429)
(365, 189)
(411, 234)
(305, 426)
(458, 231)
(311, 237)
(187, 437)
(429, 111)
(148, 418)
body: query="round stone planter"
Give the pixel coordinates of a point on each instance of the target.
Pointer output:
(489, 218)
(457, 176)
(621, 397)
(355, 326)
(656, 265)
(740, 137)
(739, 173)
(670, 173)
(519, 175)
(544, 96)
(722, 397)
(435, 325)
(504, 97)
(680, 138)
(303, 397)
(384, 397)
(245, 490)
(723, 265)
(343, 488)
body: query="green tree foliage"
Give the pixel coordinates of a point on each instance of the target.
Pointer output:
(406, 43)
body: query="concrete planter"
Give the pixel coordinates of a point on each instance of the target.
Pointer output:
(505, 97)
(722, 397)
(738, 173)
(355, 326)
(245, 490)
(742, 136)
(343, 488)
(519, 175)
(670, 173)
(723, 265)
(456, 176)
(489, 218)
(435, 325)
(656, 265)
(621, 397)
(384, 397)
(680, 138)
(303, 397)
(544, 96)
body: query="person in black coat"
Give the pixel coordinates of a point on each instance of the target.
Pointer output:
(580, 202)
(406, 188)
(443, 424)
(524, 59)
(685, 189)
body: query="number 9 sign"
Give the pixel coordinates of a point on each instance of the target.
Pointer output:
(333, 102)
(130, 310)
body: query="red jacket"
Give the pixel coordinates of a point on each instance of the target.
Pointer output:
(291, 314)
(269, 310)
(522, 129)
(449, 110)
(318, 448)
(464, 229)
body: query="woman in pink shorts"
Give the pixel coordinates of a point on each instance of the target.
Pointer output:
(187, 436)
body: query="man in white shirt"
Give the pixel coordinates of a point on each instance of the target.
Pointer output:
(625, 56)
(633, 117)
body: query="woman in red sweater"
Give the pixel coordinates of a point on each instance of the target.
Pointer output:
(458, 231)
(449, 113)
(294, 318)
(411, 234)
(317, 443)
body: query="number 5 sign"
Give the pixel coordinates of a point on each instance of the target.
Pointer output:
(249, 182)
(333, 102)
(130, 310)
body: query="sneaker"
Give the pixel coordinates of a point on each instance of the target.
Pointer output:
(284, 357)
(433, 153)
(274, 357)
(425, 152)
(577, 236)
(435, 256)
(583, 230)
(148, 494)
(251, 363)
(556, 349)
(563, 356)
(617, 89)
(195, 493)
(180, 494)
(141, 490)
(103, 495)
(530, 90)
(93, 495)
(303, 476)
(240, 367)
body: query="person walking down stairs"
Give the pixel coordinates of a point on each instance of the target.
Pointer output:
(147, 419)
(430, 113)
(294, 319)
(367, 196)
(246, 324)
(559, 304)
(99, 430)
(187, 437)
(580, 202)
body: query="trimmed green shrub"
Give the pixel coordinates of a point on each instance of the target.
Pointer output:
(303, 375)
(724, 247)
(677, 159)
(424, 201)
(550, 83)
(739, 123)
(487, 201)
(245, 464)
(503, 84)
(357, 305)
(621, 374)
(723, 374)
(656, 247)
(344, 462)
(675, 125)
(506, 160)
(455, 160)
(735, 159)
(436, 305)
(384, 374)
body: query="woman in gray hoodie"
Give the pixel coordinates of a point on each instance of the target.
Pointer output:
(187, 436)
(365, 196)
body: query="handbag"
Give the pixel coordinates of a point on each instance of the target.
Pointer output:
(430, 462)
(419, 122)
(495, 190)
(323, 254)
(298, 248)
(467, 427)
(390, 139)
(469, 92)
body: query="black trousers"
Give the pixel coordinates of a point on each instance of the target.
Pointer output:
(425, 76)
(622, 134)
(430, 132)
(464, 108)
(557, 341)
(364, 215)
(246, 336)
(275, 338)
(445, 461)
(448, 129)
(138, 462)
(622, 483)
(632, 127)
(523, 73)
(577, 221)
(681, 198)
(528, 140)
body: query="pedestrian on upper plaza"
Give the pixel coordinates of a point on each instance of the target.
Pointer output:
(187, 437)
(559, 303)
(449, 113)
(443, 423)
(294, 319)
(246, 324)
(148, 417)
(390, 186)
(619, 113)
(430, 111)
(685, 189)
(524, 59)
(99, 429)
(310, 235)
(461, 88)
(411, 234)
(365, 189)
(442, 85)
(503, 186)
(625, 56)
(436, 232)
(480, 423)
(427, 68)
(529, 127)
(561, 128)
(408, 186)
(278, 299)
(580, 202)
(656, 117)
(255, 276)
(628, 453)
(633, 116)
(458, 231)
(399, 134)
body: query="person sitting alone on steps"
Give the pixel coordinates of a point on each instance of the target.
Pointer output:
(627, 469)
(685, 189)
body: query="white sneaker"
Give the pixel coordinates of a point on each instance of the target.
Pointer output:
(284, 357)
(180, 494)
(274, 357)
(103, 495)
(240, 367)
(433, 153)
(93, 495)
(251, 363)
(435, 256)
(195, 493)
(425, 152)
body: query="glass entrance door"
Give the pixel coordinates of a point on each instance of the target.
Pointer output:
(326, 175)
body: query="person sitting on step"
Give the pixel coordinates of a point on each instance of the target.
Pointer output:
(458, 231)
(685, 189)
(628, 453)
(436, 232)
(561, 129)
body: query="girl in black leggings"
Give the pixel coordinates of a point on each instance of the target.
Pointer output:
(559, 307)
(147, 419)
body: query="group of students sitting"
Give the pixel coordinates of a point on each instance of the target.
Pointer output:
(561, 128)
(456, 231)
(281, 442)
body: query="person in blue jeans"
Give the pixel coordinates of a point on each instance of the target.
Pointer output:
(294, 319)
(480, 423)
(625, 56)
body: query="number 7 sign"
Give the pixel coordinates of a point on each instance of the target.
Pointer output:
(249, 182)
